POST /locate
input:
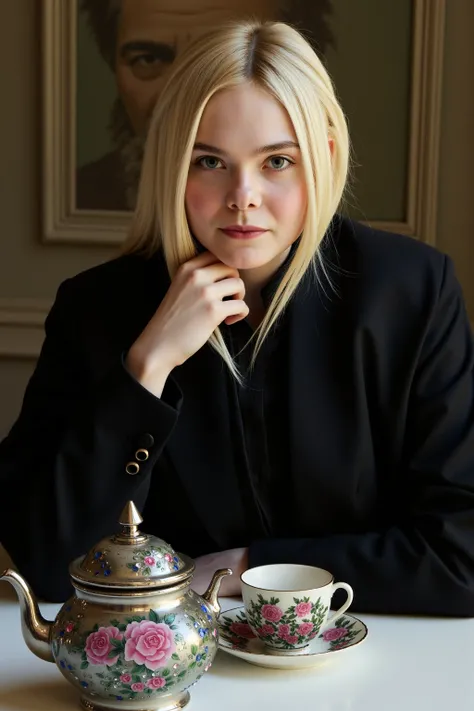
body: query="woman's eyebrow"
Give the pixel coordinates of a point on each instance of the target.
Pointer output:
(282, 145)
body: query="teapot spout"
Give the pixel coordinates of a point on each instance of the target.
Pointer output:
(213, 590)
(36, 630)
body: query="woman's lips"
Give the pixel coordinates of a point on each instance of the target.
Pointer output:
(243, 234)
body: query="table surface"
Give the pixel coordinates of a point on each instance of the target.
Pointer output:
(405, 663)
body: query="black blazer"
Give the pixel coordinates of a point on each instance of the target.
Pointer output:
(381, 436)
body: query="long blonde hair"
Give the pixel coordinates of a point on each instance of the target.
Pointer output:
(277, 58)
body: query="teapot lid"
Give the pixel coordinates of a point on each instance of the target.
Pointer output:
(131, 559)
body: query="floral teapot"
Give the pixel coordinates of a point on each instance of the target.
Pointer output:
(134, 635)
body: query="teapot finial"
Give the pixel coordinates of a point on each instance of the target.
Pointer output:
(130, 519)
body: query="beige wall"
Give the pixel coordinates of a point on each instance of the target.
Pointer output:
(30, 271)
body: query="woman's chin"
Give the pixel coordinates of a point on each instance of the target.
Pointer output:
(243, 262)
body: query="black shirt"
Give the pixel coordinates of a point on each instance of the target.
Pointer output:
(260, 443)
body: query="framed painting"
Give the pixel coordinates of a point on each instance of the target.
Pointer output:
(103, 63)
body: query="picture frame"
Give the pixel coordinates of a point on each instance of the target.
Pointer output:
(63, 222)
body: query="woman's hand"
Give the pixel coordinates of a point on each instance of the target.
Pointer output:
(236, 559)
(192, 309)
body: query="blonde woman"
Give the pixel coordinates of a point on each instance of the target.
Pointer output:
(267, 380)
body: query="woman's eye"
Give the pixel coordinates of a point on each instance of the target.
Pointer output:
(279, 163)
(209, 162)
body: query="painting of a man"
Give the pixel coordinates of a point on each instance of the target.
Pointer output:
(139, 40)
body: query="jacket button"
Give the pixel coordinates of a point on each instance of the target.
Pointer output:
(142, 455)
(146, 441)
(132, 468)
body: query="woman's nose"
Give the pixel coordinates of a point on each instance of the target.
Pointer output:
(243, 194)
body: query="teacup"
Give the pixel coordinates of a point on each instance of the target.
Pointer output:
(287, 605)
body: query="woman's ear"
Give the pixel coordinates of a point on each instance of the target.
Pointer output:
(331, 145)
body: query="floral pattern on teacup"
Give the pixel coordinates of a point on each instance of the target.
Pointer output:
(341, 635)
(287, 628)
(236, 631)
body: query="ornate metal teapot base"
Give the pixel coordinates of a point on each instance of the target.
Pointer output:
(178, 702)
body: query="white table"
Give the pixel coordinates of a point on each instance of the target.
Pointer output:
(405, 664)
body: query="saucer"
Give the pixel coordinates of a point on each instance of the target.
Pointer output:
(345, 633)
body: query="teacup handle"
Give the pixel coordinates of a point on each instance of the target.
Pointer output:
(348, 602)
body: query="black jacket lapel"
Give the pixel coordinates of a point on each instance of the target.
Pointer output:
(327, 454)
